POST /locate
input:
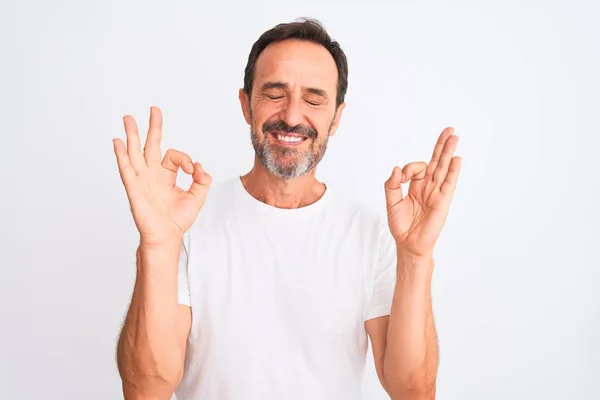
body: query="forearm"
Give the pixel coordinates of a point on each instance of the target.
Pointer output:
(149, 353)
(411, 355)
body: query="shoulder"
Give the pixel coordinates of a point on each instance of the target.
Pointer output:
(220, 192)
(365, 225)
(354, 215)
(219, 201)
(348, 206)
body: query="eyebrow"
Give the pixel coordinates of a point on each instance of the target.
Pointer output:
(283, 85)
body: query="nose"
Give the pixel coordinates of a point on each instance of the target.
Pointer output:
(292, 113)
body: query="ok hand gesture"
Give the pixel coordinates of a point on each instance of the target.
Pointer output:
(162, 211)
(417, 219)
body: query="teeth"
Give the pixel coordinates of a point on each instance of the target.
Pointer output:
(292, 139)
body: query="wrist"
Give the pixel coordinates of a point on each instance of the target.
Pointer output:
(414, 266)
(412, 257)
(169, 245)
(158, 258)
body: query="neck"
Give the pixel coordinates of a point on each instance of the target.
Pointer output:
(272, 190)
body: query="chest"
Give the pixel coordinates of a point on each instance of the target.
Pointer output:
(280, 282)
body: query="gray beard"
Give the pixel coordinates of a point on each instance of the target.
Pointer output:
(305, 160)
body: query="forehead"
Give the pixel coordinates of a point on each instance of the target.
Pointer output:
(297, 63)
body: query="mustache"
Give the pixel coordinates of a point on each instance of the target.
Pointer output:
(281, 126)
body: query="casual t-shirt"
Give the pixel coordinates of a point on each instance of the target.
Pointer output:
(279, 297)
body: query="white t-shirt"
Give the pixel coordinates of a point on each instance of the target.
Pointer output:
(279, 297)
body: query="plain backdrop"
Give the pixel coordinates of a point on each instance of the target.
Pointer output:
(517, 271)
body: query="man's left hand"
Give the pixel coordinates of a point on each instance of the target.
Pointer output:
(416, 220)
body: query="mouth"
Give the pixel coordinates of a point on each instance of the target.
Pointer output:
(288, 139)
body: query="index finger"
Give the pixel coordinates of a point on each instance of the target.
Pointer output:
(152, 152)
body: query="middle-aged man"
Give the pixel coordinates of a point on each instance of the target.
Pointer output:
(270, 286)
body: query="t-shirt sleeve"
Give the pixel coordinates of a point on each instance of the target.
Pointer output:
(183, 287)
(384, 278)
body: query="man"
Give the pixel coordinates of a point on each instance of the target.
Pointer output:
(281, 281)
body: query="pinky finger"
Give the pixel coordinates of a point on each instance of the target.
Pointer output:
(125, 169)
(452, 177)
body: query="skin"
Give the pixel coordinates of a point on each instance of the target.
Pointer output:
(404, 344)
(294, 87)
(151, 346)
(297, 68)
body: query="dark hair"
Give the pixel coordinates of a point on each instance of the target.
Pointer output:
(305, 29)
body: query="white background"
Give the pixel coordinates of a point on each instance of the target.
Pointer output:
(517, 273)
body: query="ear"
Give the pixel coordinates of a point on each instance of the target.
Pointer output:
(336, 119)
(245, 103)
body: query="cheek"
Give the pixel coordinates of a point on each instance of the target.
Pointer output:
(255, 121)
(259, 114)
(322, 124)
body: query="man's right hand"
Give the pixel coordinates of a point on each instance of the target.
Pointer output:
(162, 211)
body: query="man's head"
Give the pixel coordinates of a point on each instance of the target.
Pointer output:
(294, 88)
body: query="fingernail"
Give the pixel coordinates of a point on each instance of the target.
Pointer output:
(191, 167)
(403, 177)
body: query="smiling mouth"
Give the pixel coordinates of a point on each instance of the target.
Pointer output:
(288, 139)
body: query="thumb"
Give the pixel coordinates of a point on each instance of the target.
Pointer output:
(200, 184)
(393, 188)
